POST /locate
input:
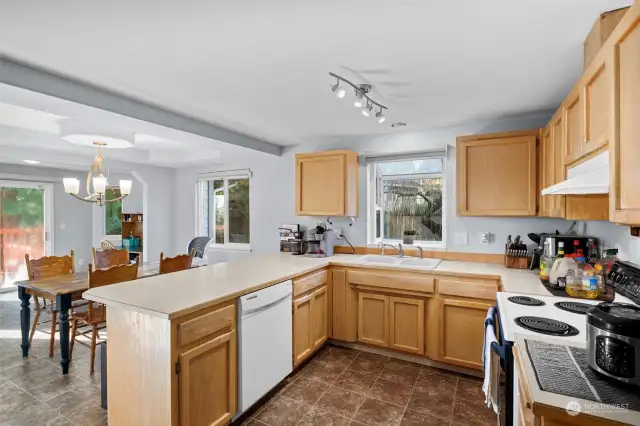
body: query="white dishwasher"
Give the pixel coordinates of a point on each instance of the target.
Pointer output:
(265, 347)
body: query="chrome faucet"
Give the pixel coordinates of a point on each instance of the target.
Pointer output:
(399, 248)
(420, 251)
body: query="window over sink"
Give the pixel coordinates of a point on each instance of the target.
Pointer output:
(222, 209)
(406, 195)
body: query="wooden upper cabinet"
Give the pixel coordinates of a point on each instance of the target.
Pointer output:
(624, 196)
(574, 126)
(545, 170)
(557, 163)
(207, 382)
(327, 183)
(497, 174)
(598, 100)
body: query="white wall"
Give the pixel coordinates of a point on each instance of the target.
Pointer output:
(150, 183)
(272, 193)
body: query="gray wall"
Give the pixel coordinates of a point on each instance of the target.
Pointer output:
(272, 193)
(84, 222)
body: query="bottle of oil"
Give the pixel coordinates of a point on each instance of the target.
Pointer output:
(546, 262)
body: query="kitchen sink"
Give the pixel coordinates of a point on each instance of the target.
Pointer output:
(380, 259)
(424, 263)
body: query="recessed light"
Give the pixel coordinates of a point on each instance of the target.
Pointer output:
(398, 124)
(31, 161)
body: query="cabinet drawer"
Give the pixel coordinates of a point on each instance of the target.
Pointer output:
(468, 289)
(393, 281)
(199, 327)
(316, 279)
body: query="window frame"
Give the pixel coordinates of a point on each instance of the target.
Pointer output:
(375, 204)
(225, 177)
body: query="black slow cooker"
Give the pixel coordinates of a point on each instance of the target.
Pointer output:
(613, 341)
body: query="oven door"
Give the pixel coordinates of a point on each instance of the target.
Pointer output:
(504, 349)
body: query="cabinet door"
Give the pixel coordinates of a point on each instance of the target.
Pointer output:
(598, 100)
(321, 185)
(462, 332)
(624, 196)
(373, 319)
(574, 127)
(207, 382)
(497, 174)
(559, 173)
(302, 314)
(319, 312)
(546, 169)
(406, 323)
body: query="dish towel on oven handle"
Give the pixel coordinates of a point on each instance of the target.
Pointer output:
(491, 364)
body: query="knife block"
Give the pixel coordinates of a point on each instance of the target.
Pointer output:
(516, 262)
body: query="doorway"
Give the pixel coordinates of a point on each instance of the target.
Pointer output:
(26, 219)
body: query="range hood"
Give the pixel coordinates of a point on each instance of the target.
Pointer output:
(590, 177)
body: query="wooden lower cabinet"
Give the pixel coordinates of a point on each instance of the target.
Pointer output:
(461, 331)
(373, 319)
(310, 323)
(207, 382)
(406, 324)
(391, 321)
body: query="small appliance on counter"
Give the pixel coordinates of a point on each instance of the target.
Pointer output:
(589, 246)
(320, 241)
(287, 236)
(613, 341)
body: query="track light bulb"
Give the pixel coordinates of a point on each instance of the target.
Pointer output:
(339, 90)
(380, 117)
(367, 111)
(359, 102)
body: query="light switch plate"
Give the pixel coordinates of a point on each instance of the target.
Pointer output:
(81, 262)
(63, 225)
(460, 238)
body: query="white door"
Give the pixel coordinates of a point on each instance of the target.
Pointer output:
(26, 225)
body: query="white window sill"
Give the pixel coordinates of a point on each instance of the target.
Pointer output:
(229, 247)
(425, 245)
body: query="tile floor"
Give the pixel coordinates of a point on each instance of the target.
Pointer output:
(33, 391)
(341, 386)
(338, 386)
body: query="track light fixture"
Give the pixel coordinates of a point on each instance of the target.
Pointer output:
(362, 100)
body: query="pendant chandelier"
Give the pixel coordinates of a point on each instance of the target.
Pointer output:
(100, 183)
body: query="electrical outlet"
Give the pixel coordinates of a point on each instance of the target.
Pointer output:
(337, 232)
(63, 226)
(460, 238)
(81, 262)
(485, 238)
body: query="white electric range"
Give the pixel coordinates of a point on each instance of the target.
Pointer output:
(541, 318)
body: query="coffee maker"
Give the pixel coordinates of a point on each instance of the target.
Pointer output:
(320, 242)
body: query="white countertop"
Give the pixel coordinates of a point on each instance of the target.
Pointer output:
(178, 293)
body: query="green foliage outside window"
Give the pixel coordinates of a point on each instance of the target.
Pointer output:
(113, 213)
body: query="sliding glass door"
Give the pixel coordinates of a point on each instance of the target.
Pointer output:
(25, 227)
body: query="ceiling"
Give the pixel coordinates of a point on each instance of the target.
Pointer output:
(260, 67)
(30, 130)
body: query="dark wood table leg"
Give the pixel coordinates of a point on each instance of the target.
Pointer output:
(25, 319)
(63, 304)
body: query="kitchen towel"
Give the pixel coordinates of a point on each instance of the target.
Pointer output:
(491, 362)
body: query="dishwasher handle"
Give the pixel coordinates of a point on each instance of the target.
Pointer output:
(254, 311)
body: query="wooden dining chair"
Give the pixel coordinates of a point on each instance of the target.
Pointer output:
(107, 245)
(47, 267)
(175, 264)
(108, 258)
(95, 314)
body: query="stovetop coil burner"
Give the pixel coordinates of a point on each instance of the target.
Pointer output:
(573, 307)
(547, 326)
(525, 300)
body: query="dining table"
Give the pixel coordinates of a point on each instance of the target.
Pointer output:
(63, 290)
